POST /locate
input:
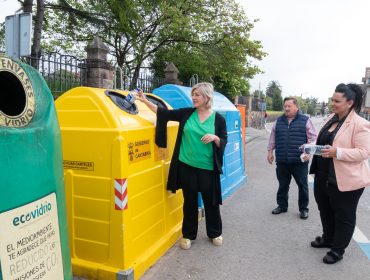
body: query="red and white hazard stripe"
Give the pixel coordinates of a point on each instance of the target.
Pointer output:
(120, 194)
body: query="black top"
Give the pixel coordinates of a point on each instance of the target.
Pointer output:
(323, 168)
(181, 116)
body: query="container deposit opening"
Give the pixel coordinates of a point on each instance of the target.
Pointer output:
(12, 94)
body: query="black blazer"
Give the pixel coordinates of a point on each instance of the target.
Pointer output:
(181, 116)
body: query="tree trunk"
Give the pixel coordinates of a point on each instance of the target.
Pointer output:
(27, 6)
(39, 19)
(135, 76)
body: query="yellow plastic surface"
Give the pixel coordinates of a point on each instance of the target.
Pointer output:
(102, 143)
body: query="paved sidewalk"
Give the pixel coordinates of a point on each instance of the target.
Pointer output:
(252, 133)
(259, 245)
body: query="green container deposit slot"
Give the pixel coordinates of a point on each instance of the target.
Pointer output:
(33, 226)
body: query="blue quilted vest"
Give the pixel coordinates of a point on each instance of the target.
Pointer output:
(289, 137)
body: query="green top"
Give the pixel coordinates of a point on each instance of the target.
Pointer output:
(192, 150)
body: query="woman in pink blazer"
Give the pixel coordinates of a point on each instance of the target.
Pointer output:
(342, 171)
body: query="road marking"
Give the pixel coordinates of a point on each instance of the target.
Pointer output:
(362, 241)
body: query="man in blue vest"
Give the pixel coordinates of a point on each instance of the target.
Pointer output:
(291, 131)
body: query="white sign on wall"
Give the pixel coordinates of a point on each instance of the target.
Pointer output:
(30, 242)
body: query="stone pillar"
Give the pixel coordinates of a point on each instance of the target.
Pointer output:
(98, 72)
(171, 74)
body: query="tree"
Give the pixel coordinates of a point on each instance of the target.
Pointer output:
(311, 105)
(133, 29)
(277, 102)
(2, 36)
(322, 109)
(272, 87)
(258, 94)
(274, 91)
(216, 31)
(268, 103)
(222, 56)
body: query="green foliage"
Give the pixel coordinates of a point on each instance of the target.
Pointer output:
(268, 100)
(273, 113)
(217, 49)
(277, 102)
(274, 91)
(311, 105)
(272, 87)
(61, 81)
(2, 36)
(322, 109)
(258, 94)
(274, 100)
(209, 38)
(307, 105)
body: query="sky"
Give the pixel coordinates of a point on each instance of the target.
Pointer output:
(7, 8)
(312, 45)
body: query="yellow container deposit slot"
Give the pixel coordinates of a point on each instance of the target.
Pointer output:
(121, 217)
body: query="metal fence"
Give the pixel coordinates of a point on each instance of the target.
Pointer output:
(123, 79)
(61, 72)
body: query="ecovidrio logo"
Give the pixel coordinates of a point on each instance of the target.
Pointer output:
(17, 99)
(40, 210)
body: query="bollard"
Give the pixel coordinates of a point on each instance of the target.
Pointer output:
(33, 233)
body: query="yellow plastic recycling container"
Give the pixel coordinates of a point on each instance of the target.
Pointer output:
(121, 217)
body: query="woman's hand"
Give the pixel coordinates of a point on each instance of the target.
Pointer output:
(140, 96)
(329, 152)
(208, 138)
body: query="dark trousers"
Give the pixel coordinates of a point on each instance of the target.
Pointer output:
(194, 180)
(284, 173)
(337, 213)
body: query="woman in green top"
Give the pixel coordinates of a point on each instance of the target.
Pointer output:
(197, 159)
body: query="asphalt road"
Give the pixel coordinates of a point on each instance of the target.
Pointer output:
(259, 245)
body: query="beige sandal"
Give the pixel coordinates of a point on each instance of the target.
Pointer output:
(185, 243)
(217, 241)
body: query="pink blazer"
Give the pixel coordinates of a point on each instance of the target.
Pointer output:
(353, 151)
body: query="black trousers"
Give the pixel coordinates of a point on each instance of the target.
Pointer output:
(337, 213)
(284, 173)
(194, 180)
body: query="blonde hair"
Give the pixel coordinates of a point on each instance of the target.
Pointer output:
(206, 90)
